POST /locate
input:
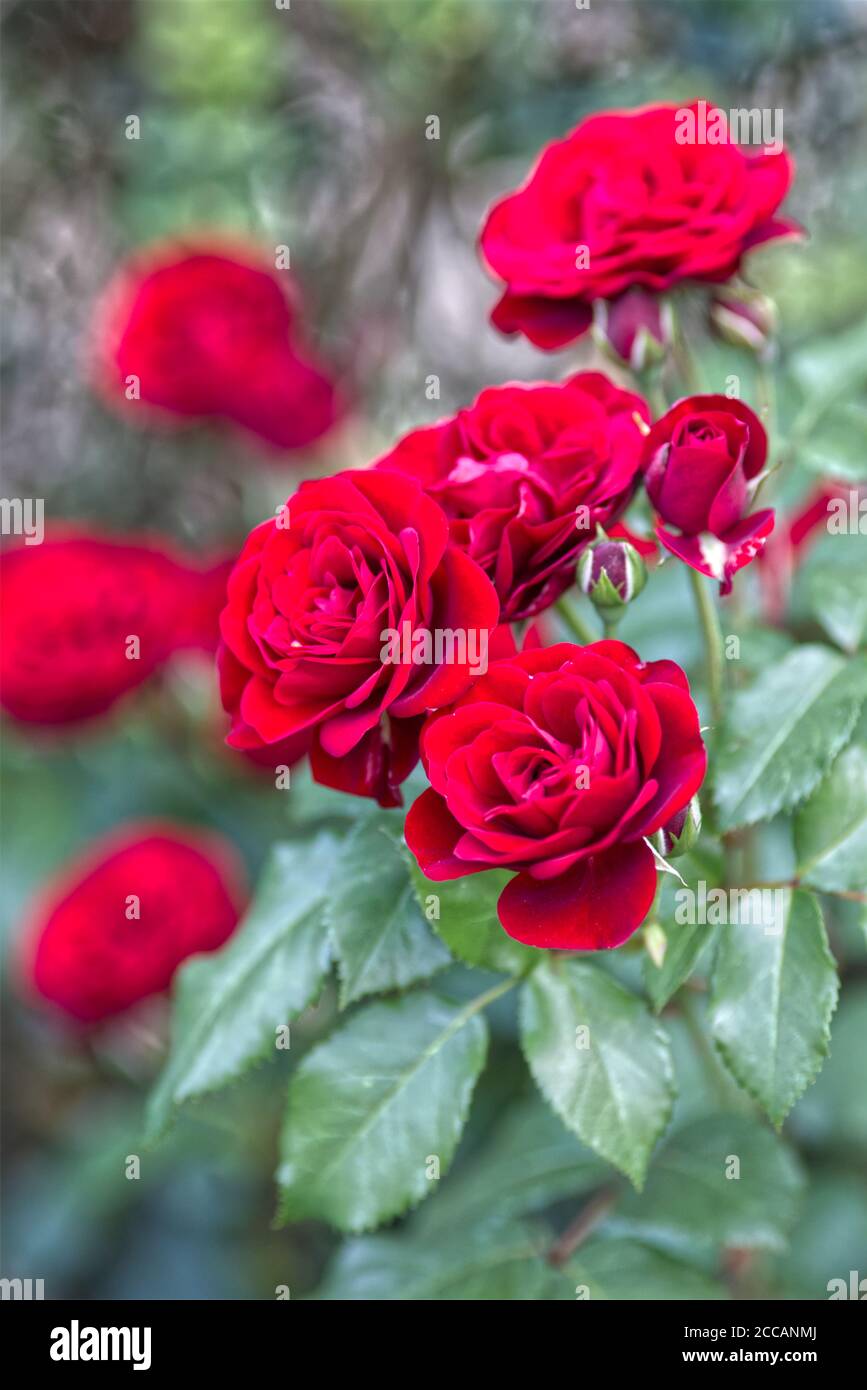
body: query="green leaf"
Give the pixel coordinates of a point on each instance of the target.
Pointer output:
(626, 1270)
(228, 1006)
(467, 920)
(834, 446)
(827, 368)
(774, 992)
(697, 1200)
(370, 1107)
(492, 1262)
(835, 582)
(833, 1113)
(831, 828)
(381, 939)
(612, 1084)
(529, 1162)
(684, 941)
(782, 734)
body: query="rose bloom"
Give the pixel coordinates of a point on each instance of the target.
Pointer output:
(310, 600)
(556, 765)
(112, 928)
(525, 475)
(621, 203)
(211, 334)
(701, 465)
(70, 607)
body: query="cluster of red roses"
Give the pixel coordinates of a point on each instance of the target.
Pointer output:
(557, 763)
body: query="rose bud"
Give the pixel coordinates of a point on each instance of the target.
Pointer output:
(558, 766)
(635, 330)
(611, 574)
(702, 463)
(112, 928)
(681, 832)
(745, 318)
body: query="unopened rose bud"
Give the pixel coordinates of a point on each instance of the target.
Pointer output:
(634, 330)
(745, 318)
(681, 832)
(611, 573)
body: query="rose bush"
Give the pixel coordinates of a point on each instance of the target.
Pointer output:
(701, 464)
(196, 334)
(309, 603)
(113, 926)
(526, 474)
(557, 765)
(648, 210)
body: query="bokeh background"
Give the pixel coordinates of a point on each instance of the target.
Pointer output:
(307, 127)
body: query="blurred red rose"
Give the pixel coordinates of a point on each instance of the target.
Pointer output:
(348, 559)
(114, 925)
(621, 202)
(526, 474)
(196, 333)
(85, 619)
(556, 765)
(701, 464)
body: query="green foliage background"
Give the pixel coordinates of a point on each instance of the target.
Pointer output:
(306, 127)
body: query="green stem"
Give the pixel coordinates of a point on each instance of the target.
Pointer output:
(713, 642)
(574, 621)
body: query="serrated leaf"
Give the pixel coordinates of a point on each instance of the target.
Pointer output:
(834, 446)
(626, 1270)
(698, 1201)
(774, 992)
(467, 920)
(782, 734)
(373, 1104)
(227, 1006)
(831, 828)
(494, 1261)
(530, 1161)
(617, 1092)
(381, 939)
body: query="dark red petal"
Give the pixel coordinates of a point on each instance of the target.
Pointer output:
(548, 323)
(431, 833)
(594, 906)
(373, 767)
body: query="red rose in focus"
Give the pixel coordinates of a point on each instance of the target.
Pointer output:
(85, 619)
(349, 559)
(200, 334)
(701, 464)
(556, 765)
(525, 475)
(621, 203)
(115, 925)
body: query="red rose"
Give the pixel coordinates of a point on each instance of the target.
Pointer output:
(556, 765)
(115, 925)
(204, 334)
(349, 559)
(620, 203)
(87, 618)
(524, 476)
(701, 464)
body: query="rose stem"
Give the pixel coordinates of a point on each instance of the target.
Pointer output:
(713, 643)
(575, 623)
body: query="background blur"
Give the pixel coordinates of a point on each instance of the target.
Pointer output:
(307, 127)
